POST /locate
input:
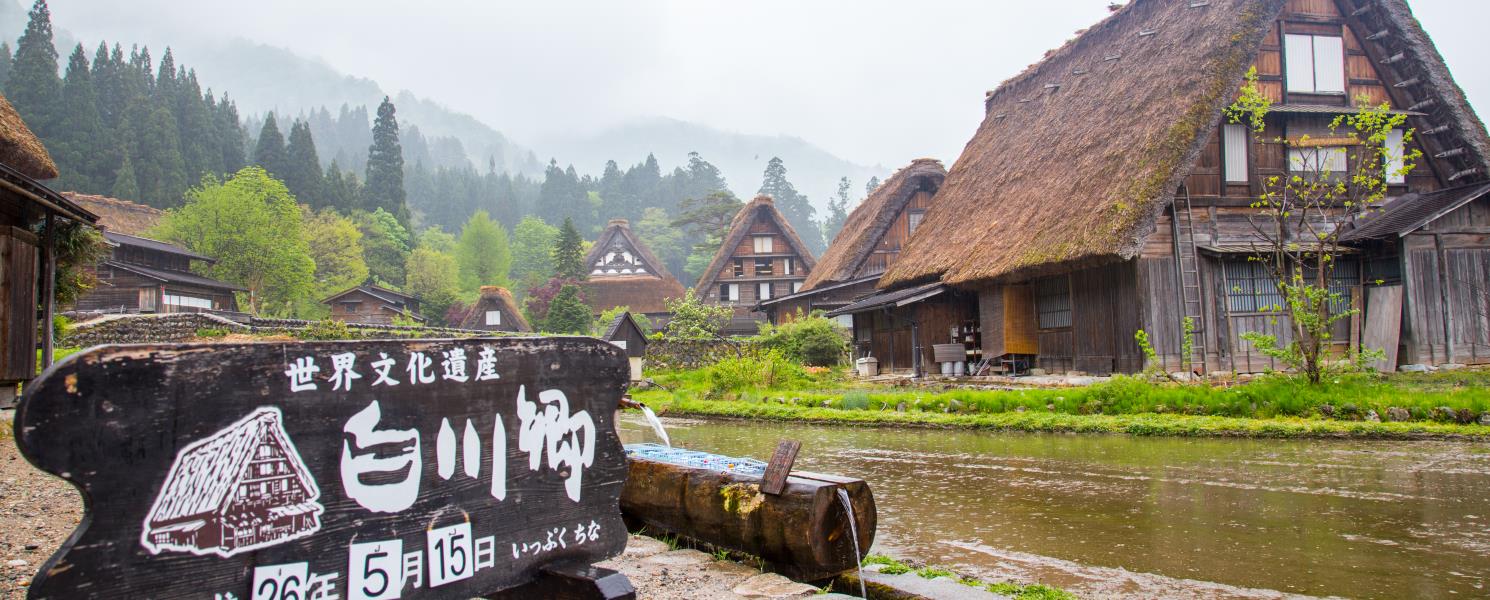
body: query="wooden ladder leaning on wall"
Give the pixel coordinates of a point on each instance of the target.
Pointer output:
(1187, 272)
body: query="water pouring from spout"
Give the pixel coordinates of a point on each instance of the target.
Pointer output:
(853, 532)
(627, 402)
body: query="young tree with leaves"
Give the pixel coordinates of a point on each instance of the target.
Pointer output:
(433, 278)
(385, 245)
(569, 254)
(1297, 219)
(533, 251)
(482, 253)
(335, 245)
(692, 319)
(251, 224)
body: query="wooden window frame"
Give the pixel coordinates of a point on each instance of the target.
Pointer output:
(1053, 306)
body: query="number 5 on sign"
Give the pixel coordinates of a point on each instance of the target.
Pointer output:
(450, 554)
(375, 570)
(280, 582)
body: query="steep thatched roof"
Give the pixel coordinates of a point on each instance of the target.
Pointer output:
(20, 148)
(496, 298)
(867, 225)
(762, 207)
(645, 293)
(1077, 156)
(119, 216)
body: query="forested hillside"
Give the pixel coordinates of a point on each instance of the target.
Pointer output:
(380, 200)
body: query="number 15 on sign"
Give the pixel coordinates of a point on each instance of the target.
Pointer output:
(450, 556)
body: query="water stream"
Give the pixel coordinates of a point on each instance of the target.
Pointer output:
(656, 425)
(853, 532)
(1120, 516)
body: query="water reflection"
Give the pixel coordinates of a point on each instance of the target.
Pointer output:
(1147, 517)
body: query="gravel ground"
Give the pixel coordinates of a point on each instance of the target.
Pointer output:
(40, 511)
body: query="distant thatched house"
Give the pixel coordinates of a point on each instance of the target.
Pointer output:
(1104, 194)
(869, 243)
(624, 272)
(373, 305)
(27, 260)
(118, 216)
(761, 258)
(496, 310)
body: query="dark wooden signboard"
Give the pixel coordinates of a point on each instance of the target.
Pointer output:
(347, 470)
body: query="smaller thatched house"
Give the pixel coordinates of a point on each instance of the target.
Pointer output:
(119, 216)
(373, 305)
(624, 272)
(27, 260)
(761, 258)
(869, 243)
(496, 310)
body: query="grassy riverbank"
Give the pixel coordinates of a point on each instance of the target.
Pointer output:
(1275, 406)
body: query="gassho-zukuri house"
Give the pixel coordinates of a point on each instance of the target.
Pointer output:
(624, 272)
(761, 258)
(1106, 192)
(869, 243)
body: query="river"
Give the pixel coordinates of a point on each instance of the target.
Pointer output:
(1147, 517)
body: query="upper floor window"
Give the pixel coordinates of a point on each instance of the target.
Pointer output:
(494, 317)
(786, 266)
(739, 267)
(729, 292)
(1234, 151)
(1318, 159)
(1315, 63)
(913, 220)
(1396, 150)
(763, 244)
(763, 267)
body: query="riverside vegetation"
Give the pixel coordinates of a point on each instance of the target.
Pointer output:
(768, 384)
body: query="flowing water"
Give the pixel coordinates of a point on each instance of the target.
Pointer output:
(656, 424)
(853, 534)
(1120, 516)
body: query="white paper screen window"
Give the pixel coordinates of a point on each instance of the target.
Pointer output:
(494, 317)
(1395, 149)
(1234, 138)
(763, 244)
(1315, 63)
(763, 291)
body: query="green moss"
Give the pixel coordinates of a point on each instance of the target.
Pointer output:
(741, 498)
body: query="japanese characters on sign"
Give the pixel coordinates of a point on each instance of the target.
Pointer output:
(357, 470)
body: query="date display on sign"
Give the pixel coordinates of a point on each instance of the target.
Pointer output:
(376, 572)
(450, 555)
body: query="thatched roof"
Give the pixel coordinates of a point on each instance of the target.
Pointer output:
(867, 225)
(762, 207)
(120, 216)
(1077, 156)
(496, 298)
(20, 148)
(645, 293)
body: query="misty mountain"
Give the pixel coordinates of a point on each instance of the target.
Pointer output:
(742, 157)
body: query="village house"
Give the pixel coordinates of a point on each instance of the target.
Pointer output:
(27, 260)
(624, 332)
(870, 241)
(1106, 192)
(142, 275)
(496, 310)
(761, 258)
(373, 305)
(624, 272)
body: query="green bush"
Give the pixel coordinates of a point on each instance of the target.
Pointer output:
(328, 329)
(811, 340)
(753, 371)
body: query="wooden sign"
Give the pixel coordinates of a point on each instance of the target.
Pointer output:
(337, 470)
(774, 479)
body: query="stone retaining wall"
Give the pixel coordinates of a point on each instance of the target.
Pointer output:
(139, 329)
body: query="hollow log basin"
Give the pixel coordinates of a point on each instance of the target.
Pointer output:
(1138, 517)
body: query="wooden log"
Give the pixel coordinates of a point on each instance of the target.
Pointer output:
(803, 532)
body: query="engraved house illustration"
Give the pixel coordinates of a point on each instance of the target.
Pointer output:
(243, 488)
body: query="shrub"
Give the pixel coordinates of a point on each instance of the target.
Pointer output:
(812, 340)
(328, 329)
(762, 370)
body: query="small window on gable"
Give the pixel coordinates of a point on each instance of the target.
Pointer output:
(739, 267)
(763, 266)
(913, 220)
(796, 286)
(1396, 149)
(1316, 63)
(763, 244)
(763, 291)
(1234, 150)
(730, 292)
(786, 266)
(494, 317)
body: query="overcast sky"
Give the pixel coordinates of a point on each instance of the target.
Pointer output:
(876, 82)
